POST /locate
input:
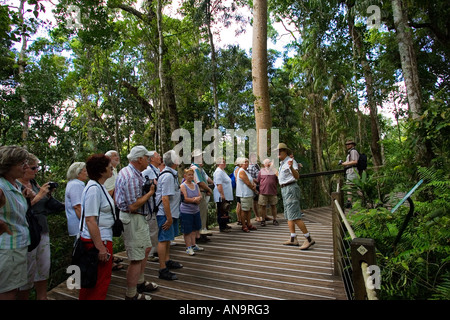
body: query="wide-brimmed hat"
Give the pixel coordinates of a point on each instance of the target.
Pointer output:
(283, 146)
(350, 142)
(196, 153)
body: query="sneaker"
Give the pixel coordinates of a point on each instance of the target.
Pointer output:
(307, 244)
(205, 232)
(197, 248)
(170, 264)
(165, 274)
(292, 242)
(190, 251)
(153, 258)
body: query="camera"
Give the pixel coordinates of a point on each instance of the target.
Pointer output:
(340, 162)
(52, 185)
(147, 185)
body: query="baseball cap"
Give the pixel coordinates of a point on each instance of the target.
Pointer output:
(137, 152)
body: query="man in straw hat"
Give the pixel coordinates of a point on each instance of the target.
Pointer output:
(290, 191)
(350, 163)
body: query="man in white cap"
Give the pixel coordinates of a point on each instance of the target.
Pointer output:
(290, 191)
(134, 207)
(202, 179)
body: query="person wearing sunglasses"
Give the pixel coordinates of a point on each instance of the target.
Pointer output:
(38, 269)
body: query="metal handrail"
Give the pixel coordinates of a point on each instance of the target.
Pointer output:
(344, 219)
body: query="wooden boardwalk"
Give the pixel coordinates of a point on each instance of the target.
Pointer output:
(244, 266)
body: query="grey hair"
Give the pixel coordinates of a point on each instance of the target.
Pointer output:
(170, 158)
(110, 153)
(75, 169)
(11, 156)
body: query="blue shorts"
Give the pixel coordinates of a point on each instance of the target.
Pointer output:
(190, 222)
(165, 235)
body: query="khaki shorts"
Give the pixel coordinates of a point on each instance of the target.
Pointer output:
(291, 202)
(246, 203)
(136, 235)
(265, 199)
(13, 269)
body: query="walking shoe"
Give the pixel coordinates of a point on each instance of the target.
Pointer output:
(197, 248)
(139, 296)
(307, 244)
(190, 251)
(165, 274)
(170, 264)
(146, 287)
(292, 242)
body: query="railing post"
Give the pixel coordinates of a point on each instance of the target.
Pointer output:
(362, 249)
(337, 233)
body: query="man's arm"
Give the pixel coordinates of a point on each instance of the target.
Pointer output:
(142, 200)
(166, 206)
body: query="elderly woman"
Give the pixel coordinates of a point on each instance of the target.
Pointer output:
(223, 194)
(13, 207)
(245, 189)
(97, 221)
(76, 175)
(38, 258)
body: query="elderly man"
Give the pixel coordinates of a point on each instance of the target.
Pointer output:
(290, 191)
(203, 181)
(152, 172)
(168, 199)
(134, 208)
(110, 183)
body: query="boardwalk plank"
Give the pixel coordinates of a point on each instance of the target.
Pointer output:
(244, 266)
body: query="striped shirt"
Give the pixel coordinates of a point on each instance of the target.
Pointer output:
(128, 189)
(14, 214)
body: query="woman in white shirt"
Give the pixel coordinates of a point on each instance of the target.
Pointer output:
(245, 189)
(96, 226)
(223, 194)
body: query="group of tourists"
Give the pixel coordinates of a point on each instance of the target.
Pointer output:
(147, 197)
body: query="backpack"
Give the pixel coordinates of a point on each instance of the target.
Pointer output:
(362, 163)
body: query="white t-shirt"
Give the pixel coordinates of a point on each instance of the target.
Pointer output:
(93, 201)
(221, 177)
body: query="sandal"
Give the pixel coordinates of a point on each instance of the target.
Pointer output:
(275, 222)
(251, 227)
(245, 229)
(117, 267)
(147, 287)
(263, 223)
(139, 296)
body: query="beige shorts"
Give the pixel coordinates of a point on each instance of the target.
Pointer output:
(136, 235)
(13, 269)
(247, 203)
(265, 199)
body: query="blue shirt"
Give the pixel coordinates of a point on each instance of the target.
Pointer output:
(168, 186)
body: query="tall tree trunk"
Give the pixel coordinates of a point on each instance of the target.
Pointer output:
(22, 63)
(166, 81)
(213, 65)
(408, 60)
(360, 54)
(259, 70)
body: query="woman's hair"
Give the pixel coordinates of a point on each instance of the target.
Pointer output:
(11, 156)
(188, 170)
(96, 165)
(75, 169)
(32, 159)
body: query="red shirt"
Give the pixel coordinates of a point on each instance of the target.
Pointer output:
(268, 182)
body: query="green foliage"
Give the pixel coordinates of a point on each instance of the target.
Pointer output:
(418, 267)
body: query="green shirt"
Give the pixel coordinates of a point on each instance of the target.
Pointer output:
(14, 214)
